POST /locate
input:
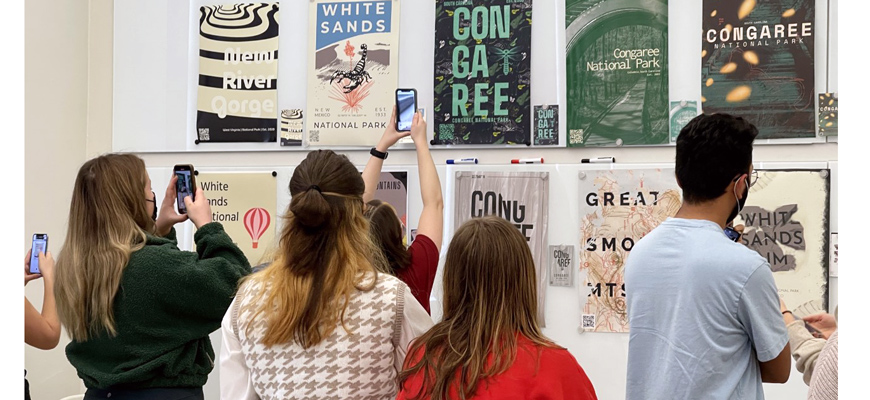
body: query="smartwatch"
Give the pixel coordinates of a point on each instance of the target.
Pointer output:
(378, 154)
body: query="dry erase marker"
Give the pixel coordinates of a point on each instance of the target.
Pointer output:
(528, 161)
(598, 160)
(463, 161)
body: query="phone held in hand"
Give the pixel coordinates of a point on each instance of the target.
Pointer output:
(406, 107)
(184, 186)
(40, 245)
(732, 234)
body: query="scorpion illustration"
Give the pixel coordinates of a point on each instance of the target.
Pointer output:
(356, 76)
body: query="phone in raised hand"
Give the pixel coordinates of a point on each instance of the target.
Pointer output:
(40, 245)
(184, 186)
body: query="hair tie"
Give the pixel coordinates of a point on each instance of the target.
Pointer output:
(315, 187)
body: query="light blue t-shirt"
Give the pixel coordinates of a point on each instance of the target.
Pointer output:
(702, 312)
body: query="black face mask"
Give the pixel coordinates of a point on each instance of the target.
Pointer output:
(154, 213)
(739, 206)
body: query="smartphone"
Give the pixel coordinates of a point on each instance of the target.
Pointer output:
(40, 244)
(815, 332)
(406, 107)
(184, 186)
(732, 234)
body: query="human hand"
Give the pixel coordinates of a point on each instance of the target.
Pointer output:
(824, 322)
(27, 275)
(167, 216)
(418, 129)
(198, 211)
(46, 267)
(391, 135)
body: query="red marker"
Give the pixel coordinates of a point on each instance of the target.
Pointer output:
(528, 160)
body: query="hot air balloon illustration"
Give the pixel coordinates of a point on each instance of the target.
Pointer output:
(256, 222)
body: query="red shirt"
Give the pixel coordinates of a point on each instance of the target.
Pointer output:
(555, 376)
(420, 274)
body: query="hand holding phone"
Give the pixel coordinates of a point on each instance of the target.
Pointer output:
(185, 185)
(406, 106)
(40, 245)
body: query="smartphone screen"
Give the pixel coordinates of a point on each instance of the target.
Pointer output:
(732, 234)
(183, 186)
(40, 244)
(406, 106)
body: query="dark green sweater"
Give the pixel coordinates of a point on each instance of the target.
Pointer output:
(168, 302)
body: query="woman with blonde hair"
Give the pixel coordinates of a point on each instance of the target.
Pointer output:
(489, 344)
(138, 309)
(319, 321)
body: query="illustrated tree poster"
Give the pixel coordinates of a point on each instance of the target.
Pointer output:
(757, 61)
(245, 203)
(617, 72)
(482, 71)
(785, 219)
(393, 189)
(617, 209)
(237, 96)
(521, 198)
(352, 70)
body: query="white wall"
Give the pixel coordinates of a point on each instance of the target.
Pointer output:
(55, 61)
(607, 373)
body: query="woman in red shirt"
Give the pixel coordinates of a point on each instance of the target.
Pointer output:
(417, 264)
(489, 344)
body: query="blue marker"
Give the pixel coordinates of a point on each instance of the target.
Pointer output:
(463, 161)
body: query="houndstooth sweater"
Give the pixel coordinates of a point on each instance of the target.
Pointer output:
(362, 365)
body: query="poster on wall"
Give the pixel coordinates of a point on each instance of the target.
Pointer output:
(521, 198)
(617, 209)
(292, 125)
(482, 72)
(786, 220)
(546, 125)
(352, 70)
(828, 114)
(237, 96)
(393, 189)
(757, 61)
(245, 203)
(617, 72)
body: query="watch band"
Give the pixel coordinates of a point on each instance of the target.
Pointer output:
(382, 155)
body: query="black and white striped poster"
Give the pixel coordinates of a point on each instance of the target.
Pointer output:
(238, 73)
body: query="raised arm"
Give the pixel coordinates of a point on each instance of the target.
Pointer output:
(372, 173)
(42, 330)
(432, 218)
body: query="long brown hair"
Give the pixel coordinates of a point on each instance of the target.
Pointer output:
(324, 254)
(108, 219)
(386, 230)
(489, 298)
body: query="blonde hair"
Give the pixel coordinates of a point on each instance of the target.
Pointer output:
(490, 297)
(108, 219)
(325, 254)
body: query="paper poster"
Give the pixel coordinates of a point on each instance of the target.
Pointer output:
(292, 125)
(828, 114)
(786, 223)
(482, 71)
(617, 72)
(546, 125)
(237, 95)
(352, 70)
(393, 189)
(561, 265)
(617, 209)
(757, 61)
(521, 198)
(681, 113)
(245, 203)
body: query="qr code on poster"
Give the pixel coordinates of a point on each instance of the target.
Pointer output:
(588, 321)
(314, 136)
(203, 134)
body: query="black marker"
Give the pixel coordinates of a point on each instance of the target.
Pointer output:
(606, 160)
